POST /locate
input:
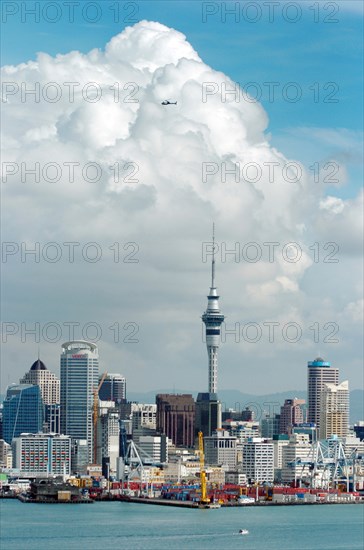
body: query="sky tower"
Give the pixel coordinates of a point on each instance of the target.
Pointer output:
(213, 319)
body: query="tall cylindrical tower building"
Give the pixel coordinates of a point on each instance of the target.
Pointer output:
(320, 372)
(79, 380)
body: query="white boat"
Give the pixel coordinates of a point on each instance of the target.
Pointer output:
(209, 505)
(246, 500)
(243, 532)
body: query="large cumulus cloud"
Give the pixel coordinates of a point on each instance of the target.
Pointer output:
(160, 200)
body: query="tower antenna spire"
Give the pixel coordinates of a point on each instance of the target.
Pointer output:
(213, 257)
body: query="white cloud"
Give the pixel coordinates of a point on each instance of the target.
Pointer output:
(160, 201)
(332, 204)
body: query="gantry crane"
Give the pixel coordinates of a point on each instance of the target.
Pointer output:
(204, 498)
(96, 413)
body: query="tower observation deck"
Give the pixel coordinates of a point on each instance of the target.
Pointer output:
(213, 318)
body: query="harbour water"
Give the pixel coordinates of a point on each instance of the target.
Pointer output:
(111, 525)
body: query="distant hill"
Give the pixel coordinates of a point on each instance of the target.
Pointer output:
(262, 404)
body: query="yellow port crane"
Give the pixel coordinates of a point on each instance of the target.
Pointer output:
(96, 413)
(204, 498)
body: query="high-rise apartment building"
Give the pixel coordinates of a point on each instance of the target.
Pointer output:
(320, 373)
(79, 381)
(23, 411)
(176, 418)
(334, 410)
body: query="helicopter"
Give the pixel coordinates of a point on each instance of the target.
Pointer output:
(167, 102)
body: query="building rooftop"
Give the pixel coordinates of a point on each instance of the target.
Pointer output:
(38, 365)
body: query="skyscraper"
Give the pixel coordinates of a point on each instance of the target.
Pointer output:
(213, 319)
(23, 411)
(113, 388)
(291, 414)
(45, 379)
(320, 372)
(176, 418)
(334, 410)
(50, 389)
(79, 380)
(208, 414)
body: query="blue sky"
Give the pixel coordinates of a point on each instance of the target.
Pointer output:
(321, 53)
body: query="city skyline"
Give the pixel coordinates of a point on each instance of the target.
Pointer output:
(158, 155)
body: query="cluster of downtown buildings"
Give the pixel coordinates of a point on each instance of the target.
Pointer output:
(83, 423)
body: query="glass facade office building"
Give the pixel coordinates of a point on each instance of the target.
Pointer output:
(23, 411)
(79, 380)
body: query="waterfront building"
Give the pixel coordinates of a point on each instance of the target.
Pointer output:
(221, 450)
(113, 388)
(23, 411)
(6, 455)
(213, 319)
(236, 477)
(48, 382)
(79, 382)
(176, 418)
(320, 372)
(291, 414)
(258, 460)
(334, 410)
(208, 413)
(39, 454)
(178, 470)
(293, 456)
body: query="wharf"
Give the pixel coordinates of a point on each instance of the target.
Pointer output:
(191, 504)
(53, 501)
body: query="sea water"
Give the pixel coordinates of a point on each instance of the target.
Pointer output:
(115, 525)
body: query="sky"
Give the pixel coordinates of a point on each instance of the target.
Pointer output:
(116, 194)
